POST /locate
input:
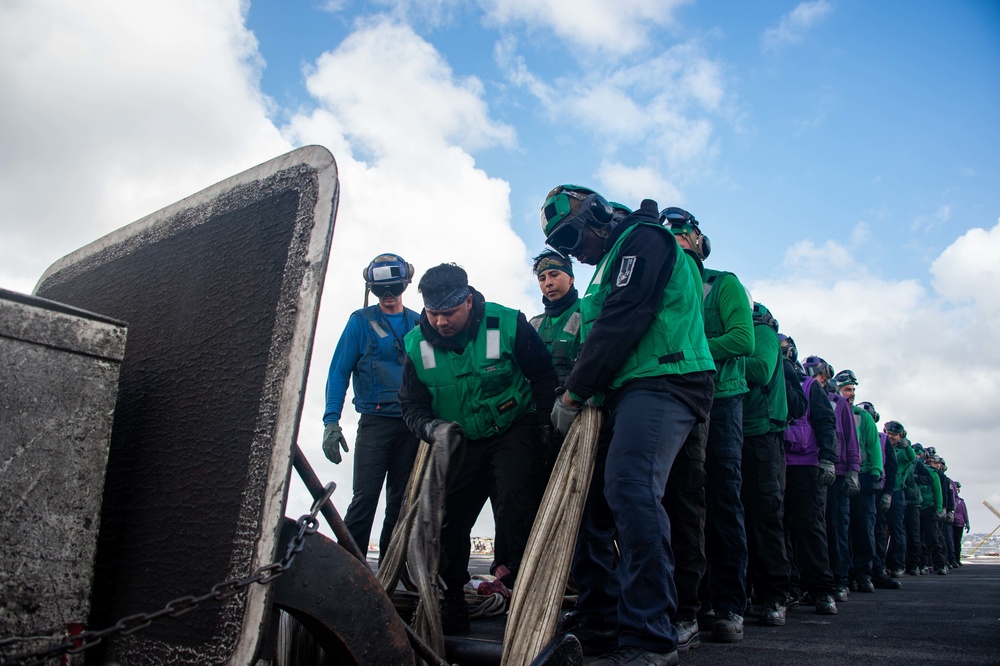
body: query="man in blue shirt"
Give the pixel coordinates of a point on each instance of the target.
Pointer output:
(370, 353)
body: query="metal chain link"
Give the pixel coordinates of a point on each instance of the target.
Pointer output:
(307, 525)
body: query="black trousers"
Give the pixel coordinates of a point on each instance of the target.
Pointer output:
(805, 527)
(509, 464)
(763, 508)
(684, 501)
(914, 544)
(930, 531)
(383, 452)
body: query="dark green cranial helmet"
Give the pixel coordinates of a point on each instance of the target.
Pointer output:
(761, 315)
(567, 211)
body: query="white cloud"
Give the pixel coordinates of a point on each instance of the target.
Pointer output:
(933, 220)
(114, 109)
(794, 25)
(861, 234)
(637, 183)
(590, 26)
(667, 127)
(924, 356)
(807, 258)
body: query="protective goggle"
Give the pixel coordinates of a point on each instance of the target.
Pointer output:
(846, 377)
(570, 232)
(390, 289)
(680, 222)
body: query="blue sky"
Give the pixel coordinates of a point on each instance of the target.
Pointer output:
(842, 155)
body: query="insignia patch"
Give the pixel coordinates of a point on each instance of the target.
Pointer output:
(506, 406)
(625, 274)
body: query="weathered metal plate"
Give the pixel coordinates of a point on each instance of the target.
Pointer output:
(58, 381)
(342, 604)
(220, 292)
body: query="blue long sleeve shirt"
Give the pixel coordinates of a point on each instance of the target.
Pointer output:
(369, 352)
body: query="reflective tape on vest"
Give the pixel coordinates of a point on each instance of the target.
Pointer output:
(492, 343)
(427, 355)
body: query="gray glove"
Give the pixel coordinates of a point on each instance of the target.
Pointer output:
(563, 416)
(427, 434)
(852, 487)
(884, 502)
(827, 473)
(951, 517)
(333, 441)
(941, 514)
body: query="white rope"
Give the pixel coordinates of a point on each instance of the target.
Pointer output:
(541, 580)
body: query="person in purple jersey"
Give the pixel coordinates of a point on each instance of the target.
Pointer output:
(810, 459)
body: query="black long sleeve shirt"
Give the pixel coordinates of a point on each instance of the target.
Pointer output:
(628, 311)
(824, 423)
(530, 352)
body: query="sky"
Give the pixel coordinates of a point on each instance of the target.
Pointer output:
(842, 155)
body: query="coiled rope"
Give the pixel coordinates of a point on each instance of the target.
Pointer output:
(541, 581)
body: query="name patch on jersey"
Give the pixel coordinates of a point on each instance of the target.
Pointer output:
(625, 273)
(506, 406)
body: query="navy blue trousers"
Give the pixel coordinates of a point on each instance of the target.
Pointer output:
(641, 436)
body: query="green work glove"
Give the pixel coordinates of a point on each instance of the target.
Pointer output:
(852, 487)
(333, 441)
(827, 473)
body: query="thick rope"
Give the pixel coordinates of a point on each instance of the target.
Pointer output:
(394, 560)
(425, 537)
(541, 581)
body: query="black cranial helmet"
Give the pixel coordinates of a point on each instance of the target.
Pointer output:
(680, 222)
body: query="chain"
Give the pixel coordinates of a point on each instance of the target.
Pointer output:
(307, 524)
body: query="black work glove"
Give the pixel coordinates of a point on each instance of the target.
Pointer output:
(827, 473)
(852, 485)
(427, 433)
(549, 443)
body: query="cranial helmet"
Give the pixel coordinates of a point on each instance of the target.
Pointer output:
(846, 378)
(788, 348)
(870, 408)
(567, 211)
(894, 428)
(814, 365)
(388, 273)
(761, 315)
(680, 222)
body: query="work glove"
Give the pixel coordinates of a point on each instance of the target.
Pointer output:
(427, 434)
(879, 483)
(333, 441)
(549, 443)
(852, 486)
(967, 528)
(827, 473)
(563, 416)
(940, 514)
(951, 517)
(884, 502)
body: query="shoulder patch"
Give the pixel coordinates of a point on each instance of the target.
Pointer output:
(625, 273)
